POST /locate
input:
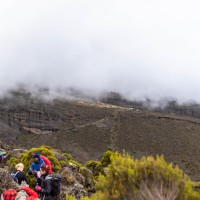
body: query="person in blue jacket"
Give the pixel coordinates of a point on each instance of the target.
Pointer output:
(36, 164)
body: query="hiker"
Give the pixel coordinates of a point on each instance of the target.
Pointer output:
(35, 166)
(39, 174)
(1, 158)
(2, 154)
(9, 194)
(26, 193)
(47, 162)
(18, 175)
(44, 187)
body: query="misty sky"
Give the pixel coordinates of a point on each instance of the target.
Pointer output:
(138, 48)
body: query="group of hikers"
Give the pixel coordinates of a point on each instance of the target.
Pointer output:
(47, 185)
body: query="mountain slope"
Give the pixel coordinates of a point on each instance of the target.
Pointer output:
(86, 129)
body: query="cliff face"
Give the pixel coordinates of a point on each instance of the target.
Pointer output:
(86, 129)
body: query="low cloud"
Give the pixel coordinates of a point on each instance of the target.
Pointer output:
(140, 49)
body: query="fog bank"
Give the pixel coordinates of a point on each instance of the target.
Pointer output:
(140, 49)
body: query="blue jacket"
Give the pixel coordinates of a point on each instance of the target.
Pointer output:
(35, 166)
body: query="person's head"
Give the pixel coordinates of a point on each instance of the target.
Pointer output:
(37, 157)
(44, 169)
(19, 166)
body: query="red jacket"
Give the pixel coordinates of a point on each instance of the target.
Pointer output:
(32, 194)
(47, 162)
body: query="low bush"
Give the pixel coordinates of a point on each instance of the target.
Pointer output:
(70, 197)
(97, 167)
(105, 160)
(145, 179)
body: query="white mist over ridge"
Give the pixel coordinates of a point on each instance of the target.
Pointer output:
(140, 49)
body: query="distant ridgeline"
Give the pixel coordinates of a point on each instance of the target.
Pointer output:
(164, 105)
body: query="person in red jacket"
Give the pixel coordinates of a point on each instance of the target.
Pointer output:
(47, 162)
(31, 194)
(23, 193)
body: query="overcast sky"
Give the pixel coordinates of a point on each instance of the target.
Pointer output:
(138, 48)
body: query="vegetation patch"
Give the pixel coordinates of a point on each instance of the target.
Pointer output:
(147, 179)
(124, 178)
(98, 167)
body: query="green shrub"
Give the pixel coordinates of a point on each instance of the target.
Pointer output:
(147, 179)
(12, 162)
(70, 197)
(63, 162)
(68, 156)
(76, 163)
(105, 161)
(85, 198)
(27, 158)
(95, 166)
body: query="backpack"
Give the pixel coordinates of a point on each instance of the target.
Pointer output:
(13, 175)
(9, 194)
(55, 183)
(47, 162)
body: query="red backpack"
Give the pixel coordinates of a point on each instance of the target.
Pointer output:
(47, 162)
(9, 194)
